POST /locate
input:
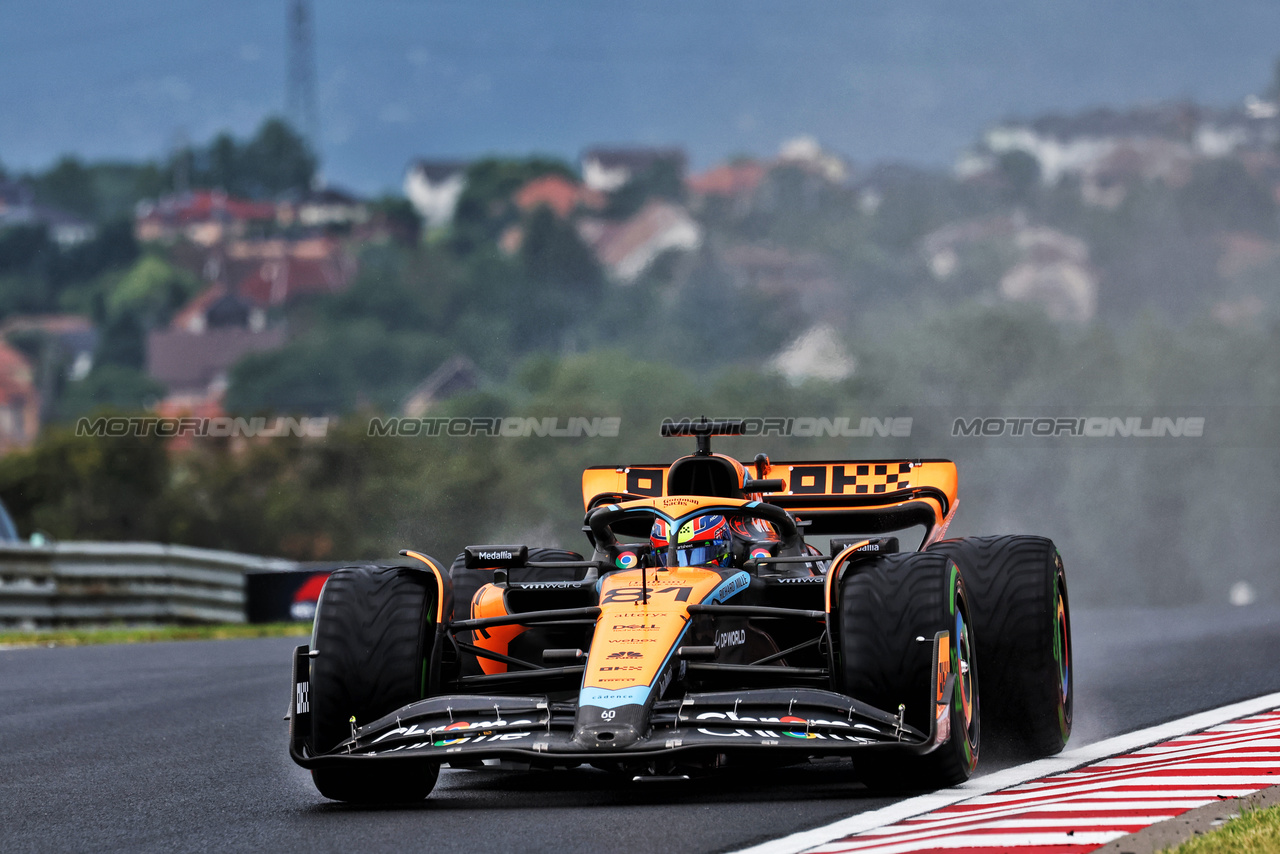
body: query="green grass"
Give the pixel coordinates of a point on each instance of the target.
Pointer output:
(1254, 832)
(125, 634)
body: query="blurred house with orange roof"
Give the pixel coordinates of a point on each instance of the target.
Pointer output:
(627, 248)
(562, 195)
(731, 184)
(277, 281)
(326, 207)
(202, 216)
(237, 313)
(19, 401)
(728, 180)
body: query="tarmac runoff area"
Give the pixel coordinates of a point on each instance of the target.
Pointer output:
(1132, 794)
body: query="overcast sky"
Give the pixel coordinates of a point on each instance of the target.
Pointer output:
(399, 79)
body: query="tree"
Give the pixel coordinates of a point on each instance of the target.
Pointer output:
(1223, 196)
(485, 209)
(399, 217)
(90, 487)
(152, 290)
(662, 179)
(335, 370)
(554, 255)
(109, 385)
(118, 187)
(221, 163)
(1021, 172)
(275, 160)
(114, 246)
(562, 278)
(68, 186)
(123, 342)
(26, 249)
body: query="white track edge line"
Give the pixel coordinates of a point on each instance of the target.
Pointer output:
(1007, 777)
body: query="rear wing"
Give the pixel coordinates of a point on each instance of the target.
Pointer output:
(833, 497)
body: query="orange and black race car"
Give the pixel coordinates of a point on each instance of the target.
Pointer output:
(704, 630)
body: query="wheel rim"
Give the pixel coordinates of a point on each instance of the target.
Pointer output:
(964, 670)
(1062, 655)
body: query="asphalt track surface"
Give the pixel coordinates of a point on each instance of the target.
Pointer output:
(180, 747)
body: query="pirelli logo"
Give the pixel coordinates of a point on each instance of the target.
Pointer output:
(849, 479)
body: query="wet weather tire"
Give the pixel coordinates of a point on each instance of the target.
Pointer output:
(886, 605)
(373, 635)
(1022, 620)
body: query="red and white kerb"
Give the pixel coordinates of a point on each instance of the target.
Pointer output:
(1080, 810)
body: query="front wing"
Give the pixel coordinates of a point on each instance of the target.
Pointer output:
(465, 728)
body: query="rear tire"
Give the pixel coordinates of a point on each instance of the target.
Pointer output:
(885, 605)
(373, 636)
(1022, 620)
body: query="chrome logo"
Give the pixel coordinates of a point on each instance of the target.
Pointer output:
(626, 560)
(760, 552)
(447, 742)
(790, 719)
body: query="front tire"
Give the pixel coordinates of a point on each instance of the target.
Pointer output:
(373, 636)
(890, 611)
(1022, 619)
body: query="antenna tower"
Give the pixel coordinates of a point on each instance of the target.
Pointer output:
(300, 95)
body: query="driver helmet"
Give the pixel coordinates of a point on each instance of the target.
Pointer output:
(753, 530)
(703, 541)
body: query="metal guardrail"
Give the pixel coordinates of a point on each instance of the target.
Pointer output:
(84, 583)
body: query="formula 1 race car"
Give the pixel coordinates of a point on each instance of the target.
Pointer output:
(703, 631)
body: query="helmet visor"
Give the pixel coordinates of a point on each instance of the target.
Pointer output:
(700, 554)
